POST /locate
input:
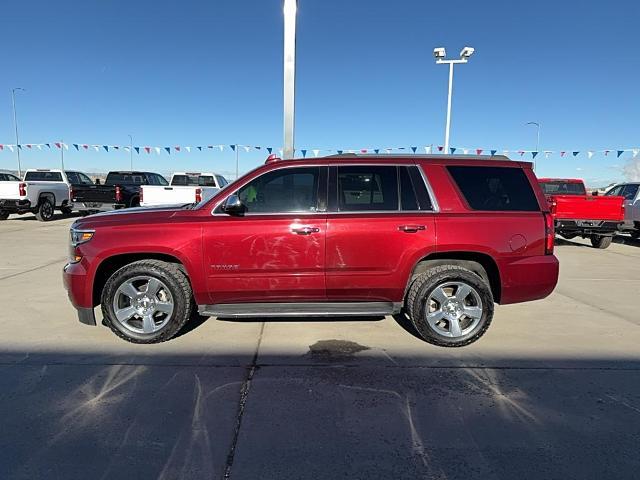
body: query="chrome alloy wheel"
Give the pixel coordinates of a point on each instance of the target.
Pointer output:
(143, 304)
(453, 309)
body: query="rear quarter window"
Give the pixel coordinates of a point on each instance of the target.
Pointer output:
(495, 188)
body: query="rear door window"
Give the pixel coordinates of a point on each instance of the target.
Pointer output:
(367, 188)
(630, 191)
(495, 188)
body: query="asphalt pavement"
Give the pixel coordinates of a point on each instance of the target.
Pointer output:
(551, 391)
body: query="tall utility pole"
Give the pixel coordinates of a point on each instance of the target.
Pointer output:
(15, 122)
(290, 9)
(237, 162)
(62, 154)
(131, 153)
(440, 54)
(537, 141)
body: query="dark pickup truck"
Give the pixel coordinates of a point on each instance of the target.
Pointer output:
(120, 190)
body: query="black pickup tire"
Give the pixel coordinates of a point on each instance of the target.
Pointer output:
(147, 301)
(635, 234)
(600, 242)
(450, 306)
(45, 210)
(4, 215)
(66, 210)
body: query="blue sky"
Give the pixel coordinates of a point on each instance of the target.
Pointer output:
(210, 72)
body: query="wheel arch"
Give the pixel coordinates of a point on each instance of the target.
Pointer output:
(49, 195)
(480, 263)
(111, 264)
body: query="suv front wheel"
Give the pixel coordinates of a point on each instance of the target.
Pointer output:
(147, 301)
(450, 306)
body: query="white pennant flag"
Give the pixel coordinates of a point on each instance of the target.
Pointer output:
(188, 149)
(10, 147)
(427, 149)
(635, 152)
(126, 149)
(465, 151)
(39, 146)
(316, 152)
(590, 153)
(388, 150)
(221, 147)
(95, 147)
(547, 153)
(157, 149)
(281, 152)
(246, 149)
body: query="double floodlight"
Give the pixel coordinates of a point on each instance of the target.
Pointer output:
(440, 53)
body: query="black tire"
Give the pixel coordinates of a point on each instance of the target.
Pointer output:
(4, 215)
(66, 210)
(600, 242)
(635, 234)
(179, 288)
(426, 283)
(135, 202)
(45, 210)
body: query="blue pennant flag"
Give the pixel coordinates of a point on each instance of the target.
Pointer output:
(19, 147)
(75, 145)
(339, 152)
(413, 149)
(575, 154)
(377, 150)
(493, 152)
(106, 148)
(48, 145)
(258, 148)
(534, 154)
(199, 148)
(620, 152)
(233, 147)
(269, 149)
(304, 153)
(453, 150)
(168, 149)
(137, 149)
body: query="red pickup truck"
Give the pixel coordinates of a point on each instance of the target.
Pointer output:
(439, 238)
(578, 214)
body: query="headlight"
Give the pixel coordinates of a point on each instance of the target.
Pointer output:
(80, 236)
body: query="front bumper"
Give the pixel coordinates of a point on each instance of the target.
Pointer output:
(587, 227)
(14, 206)
(74, 277)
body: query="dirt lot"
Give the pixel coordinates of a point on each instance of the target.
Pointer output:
(551, 391)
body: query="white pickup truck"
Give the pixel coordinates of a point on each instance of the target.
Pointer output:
(42, 191)
(184, 187)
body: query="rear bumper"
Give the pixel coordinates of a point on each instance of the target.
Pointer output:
(79, 290)
(587, 227)
(530, 278)
(15, 206)
(98, 206)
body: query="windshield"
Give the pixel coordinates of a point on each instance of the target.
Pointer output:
(563, 188)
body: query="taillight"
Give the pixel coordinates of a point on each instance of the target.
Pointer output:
(141, 198)
(71, 193)
(549, 233)
(118, 194)
(198, 195)
(22, 187)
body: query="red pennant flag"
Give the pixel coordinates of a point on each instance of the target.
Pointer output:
(440, 148)
(85, 146)
(1, 146)
(562, 154)
(478, 151)
(58, 144)
(147, 149)
(176, 148)
(28, 145)
(364, 150)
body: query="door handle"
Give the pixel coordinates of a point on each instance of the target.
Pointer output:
(305, 230)
(411, 228)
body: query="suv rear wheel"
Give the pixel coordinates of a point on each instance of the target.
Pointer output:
(4, 215)
(147, 301)
(450, 306)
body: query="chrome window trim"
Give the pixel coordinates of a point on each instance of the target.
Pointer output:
(434, 201)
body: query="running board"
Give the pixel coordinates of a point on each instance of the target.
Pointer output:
(313, 309)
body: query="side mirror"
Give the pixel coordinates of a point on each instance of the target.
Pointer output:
(234, 206)
(595, 193)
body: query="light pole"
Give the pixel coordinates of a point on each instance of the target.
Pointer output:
(440, 54)
(290, 9)
(537, 141)
(15, 122)
(130, 152)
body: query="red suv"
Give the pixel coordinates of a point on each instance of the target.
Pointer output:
(440, 238)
